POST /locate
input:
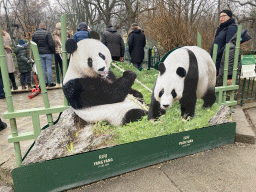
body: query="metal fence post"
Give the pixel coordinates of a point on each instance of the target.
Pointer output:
(64, 52)
(41, 80)
(9, 100)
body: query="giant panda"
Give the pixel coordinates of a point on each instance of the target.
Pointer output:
(187, 74)
(93, 90)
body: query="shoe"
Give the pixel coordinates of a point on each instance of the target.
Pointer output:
(51, 85)
(23, 87)
(15, 88)
(29, 87)
(2, 126)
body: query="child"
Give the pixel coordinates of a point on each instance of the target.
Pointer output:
(24, 64)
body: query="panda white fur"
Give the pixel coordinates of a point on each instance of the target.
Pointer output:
(187, 74)
(93, 90)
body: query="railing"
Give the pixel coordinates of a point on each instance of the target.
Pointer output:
(34, 112)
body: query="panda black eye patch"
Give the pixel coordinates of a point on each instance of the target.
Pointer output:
(181, 72)
(102, 56)
(161, 93)
(90, 62)
(174, 94)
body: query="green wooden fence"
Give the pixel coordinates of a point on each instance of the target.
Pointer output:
(34, 112)
(47, 110)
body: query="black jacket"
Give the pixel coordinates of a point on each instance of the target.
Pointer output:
(114, 41)
(223, 35)
(22, 59)
(136, 42)
(44, 41)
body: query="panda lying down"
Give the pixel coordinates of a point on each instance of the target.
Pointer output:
(93, 90)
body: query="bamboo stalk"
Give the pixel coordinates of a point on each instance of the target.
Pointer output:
(135, 79)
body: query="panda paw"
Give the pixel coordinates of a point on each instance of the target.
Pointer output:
(130, 75)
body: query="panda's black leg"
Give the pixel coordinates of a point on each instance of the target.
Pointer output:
(133, 115)
(155, 110)
(209, 98)
(187, 108)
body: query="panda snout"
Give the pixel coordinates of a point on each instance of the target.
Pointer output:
(102, 69)
(166, 106)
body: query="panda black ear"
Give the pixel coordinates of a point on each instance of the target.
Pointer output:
(71, 46)
(94, 35)
(161, 68)
(181, 72)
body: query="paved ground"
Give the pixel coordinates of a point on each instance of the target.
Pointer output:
(228, 168)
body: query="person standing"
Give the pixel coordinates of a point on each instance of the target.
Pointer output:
(24, 64)
(136, 43)
(82, 32)
(2, 94)
(58, 46)
(115, 43)
(8, 55)
(224, 33)
(46, 48)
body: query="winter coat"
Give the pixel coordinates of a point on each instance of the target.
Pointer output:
(80, 35)
(244, 37)
(136, 43)
(22, 59)
(57, 41)
(223, 35)
(44, 41)
(114, 41)
(8, 52)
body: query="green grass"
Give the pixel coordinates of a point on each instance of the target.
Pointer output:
(169, 123)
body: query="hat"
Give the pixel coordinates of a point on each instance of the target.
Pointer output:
(21, 42)
(58, 25)
(82, 25)
(228, 12)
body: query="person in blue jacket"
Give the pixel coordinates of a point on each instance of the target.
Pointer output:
(224, 33)
(82, 32)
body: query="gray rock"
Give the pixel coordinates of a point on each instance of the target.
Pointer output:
(71, 135)
(222, 116)
(6, 189)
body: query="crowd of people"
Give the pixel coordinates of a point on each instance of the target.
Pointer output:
(49, 45)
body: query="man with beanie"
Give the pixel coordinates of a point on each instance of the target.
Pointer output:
(115, 43)
(224, 33)
(24, 64)
(82, 32)
(46, 48)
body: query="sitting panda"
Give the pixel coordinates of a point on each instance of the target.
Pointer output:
(93, 90)
(187, 74)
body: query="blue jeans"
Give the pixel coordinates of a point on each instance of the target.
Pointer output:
(2, 95)
(46, 61)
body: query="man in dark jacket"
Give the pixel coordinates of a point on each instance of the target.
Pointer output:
(82, 32)
(136, 43)
(115, 43)
(46, 48)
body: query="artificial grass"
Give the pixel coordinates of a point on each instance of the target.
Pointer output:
(169, 123)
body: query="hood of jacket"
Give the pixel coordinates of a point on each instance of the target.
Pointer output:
(138, 31)
(111, 29)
